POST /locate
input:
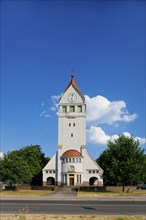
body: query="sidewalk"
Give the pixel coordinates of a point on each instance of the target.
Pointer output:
(60, 196)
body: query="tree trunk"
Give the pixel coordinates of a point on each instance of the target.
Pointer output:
(10, 185)
(123, 189)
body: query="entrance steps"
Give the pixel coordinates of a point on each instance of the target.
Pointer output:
(63, 188)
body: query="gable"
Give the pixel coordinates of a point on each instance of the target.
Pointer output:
(91, 164)
(72, 88)
(51, 164)
(64, 98)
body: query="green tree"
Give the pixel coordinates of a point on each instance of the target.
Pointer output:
(105, 162)
(24, 165)
(36, 161)
(13, 169)
(143, 180)
(122, 162)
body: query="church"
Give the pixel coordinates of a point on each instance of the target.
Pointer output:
(72, 165)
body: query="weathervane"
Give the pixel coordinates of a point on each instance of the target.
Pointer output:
(72, 75)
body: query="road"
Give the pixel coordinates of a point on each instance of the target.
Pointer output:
(74, 207)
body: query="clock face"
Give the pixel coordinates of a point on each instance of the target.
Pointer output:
(72, 97)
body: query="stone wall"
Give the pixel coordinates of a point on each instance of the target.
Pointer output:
(119, 188)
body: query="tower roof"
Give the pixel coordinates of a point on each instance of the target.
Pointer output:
(71, 153)
(74, 84)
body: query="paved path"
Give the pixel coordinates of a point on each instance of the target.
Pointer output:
(63, 194)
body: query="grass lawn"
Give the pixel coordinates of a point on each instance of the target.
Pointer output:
(25, 193)
(115, 193)
(80, 193)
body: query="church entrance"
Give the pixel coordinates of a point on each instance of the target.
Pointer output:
(71, 179)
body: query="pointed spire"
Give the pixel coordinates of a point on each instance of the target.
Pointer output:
(75, 86)
(73, 83)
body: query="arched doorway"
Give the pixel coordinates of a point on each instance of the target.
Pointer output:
(50, 181)
(93, 181)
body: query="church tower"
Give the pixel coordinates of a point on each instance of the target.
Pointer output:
(71, 118)
(71, 121)
(72, 164)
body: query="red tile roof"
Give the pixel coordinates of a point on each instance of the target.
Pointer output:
(71, 153)
(74, 84)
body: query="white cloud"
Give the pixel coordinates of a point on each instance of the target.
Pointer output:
(1, 155)
(96, 135)
(45, 113)
(141, 140)
(55, 100)
(43, 104)
(100, 110)
(50, 106)
(126, 134)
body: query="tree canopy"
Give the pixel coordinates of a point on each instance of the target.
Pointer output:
(122, 162)
(144, 170)
(23, 166)
(13, 169)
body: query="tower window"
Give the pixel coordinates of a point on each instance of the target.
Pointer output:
(74, 124)
(64, 109)
(71, 135)
(69, 124)
(80, 108)
(72, 108)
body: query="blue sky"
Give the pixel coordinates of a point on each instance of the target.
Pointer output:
(41, 41)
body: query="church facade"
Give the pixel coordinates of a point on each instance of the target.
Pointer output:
(72, 165)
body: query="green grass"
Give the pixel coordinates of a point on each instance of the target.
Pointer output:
(80, 193)
(113, 193)
(26, 193)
